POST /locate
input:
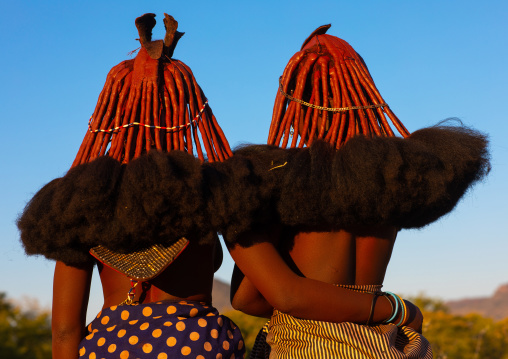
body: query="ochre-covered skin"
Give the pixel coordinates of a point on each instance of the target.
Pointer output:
(152, 102)
(335, 225)
(330, 75)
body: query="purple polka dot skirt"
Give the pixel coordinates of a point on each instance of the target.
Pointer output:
(162, 330)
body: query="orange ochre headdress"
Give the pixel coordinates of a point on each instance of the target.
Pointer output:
(134, 194)
(152, 102)
(326, 92)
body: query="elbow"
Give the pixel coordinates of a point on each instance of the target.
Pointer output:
(256, 307)
(242, 303)
(238, 304)
(285, 300)
(245, 306)
(284, 304)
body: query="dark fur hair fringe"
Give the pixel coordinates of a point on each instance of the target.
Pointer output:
(157, 198)
(160, 201)
(62, 219)
(160, 197)
(407, 183)
(242, 192)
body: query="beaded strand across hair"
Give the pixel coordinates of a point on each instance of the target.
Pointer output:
(326, 92)
(152, 102)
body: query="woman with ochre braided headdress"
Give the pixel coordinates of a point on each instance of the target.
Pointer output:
(330, 207)
(134, 199)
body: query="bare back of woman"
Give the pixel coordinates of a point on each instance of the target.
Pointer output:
(189, 277)
(358, 256)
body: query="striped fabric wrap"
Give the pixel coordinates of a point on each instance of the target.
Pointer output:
(260, 349)
(291, 337)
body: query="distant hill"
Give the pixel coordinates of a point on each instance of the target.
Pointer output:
(495, 307)
(220, 296)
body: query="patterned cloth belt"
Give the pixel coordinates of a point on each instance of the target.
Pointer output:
(162, 330)
(291, 337)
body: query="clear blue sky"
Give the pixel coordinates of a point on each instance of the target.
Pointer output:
(431, 60)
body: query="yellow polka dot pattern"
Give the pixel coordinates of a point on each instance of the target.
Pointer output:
(186, 350)
(193, 312)
(171, 342)
(111, 328)
(147, 348)
(162, 330)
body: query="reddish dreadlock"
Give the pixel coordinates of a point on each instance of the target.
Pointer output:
(149, 105)
(327, 97)
(155, 102)
(326, 92)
